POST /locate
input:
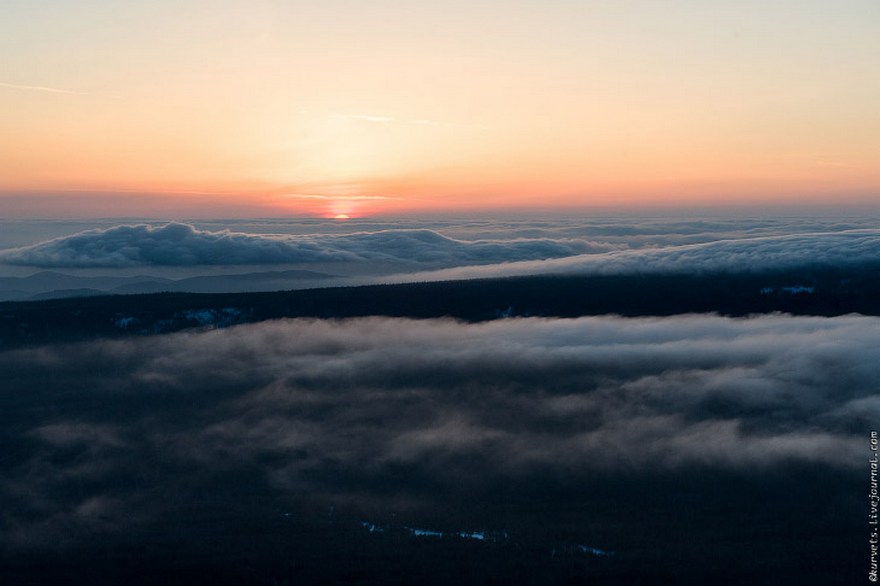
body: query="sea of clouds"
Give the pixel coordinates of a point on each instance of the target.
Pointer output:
(107, 437)
(176, 244)
(523, 247)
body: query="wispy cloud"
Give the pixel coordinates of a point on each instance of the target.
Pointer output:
(340, 197)
(40, 88)
(51, 90)
(379, 119)
(366, 118)
(390, 120)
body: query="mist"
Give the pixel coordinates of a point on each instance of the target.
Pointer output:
(554, 431)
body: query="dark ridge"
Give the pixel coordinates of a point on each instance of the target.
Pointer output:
(825, 292)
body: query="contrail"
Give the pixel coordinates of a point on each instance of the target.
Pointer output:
(39, 88)
(51, 90)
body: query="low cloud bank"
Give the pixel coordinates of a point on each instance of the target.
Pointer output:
(393, 414)
(426, 254)
(836, 249)
(176, 244)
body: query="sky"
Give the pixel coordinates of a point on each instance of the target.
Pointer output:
(344, 108)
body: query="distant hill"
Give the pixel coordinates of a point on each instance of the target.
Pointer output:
(53, 285)
(67, 293)
(804, 292)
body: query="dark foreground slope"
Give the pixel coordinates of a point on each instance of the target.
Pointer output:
(826, 292)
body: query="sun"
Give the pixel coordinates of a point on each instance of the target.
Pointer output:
(341, 217)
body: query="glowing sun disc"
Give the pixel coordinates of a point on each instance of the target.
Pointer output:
(341, 217)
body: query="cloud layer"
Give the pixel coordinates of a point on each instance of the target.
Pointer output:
(467, 425)
(176, 244)
(837, 249)
(490, 250)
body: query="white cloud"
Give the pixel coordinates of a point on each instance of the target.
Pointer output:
(177, 244)
(831, 249)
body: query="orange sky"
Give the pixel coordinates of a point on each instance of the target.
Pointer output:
(195, 108)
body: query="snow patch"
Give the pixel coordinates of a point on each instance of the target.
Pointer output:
(484, 536)
(212, 317)
(793, 290)
(424, 532)
(798, 289)
(479, 535)
(125, 322)
(594, 551)
(489, 536)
